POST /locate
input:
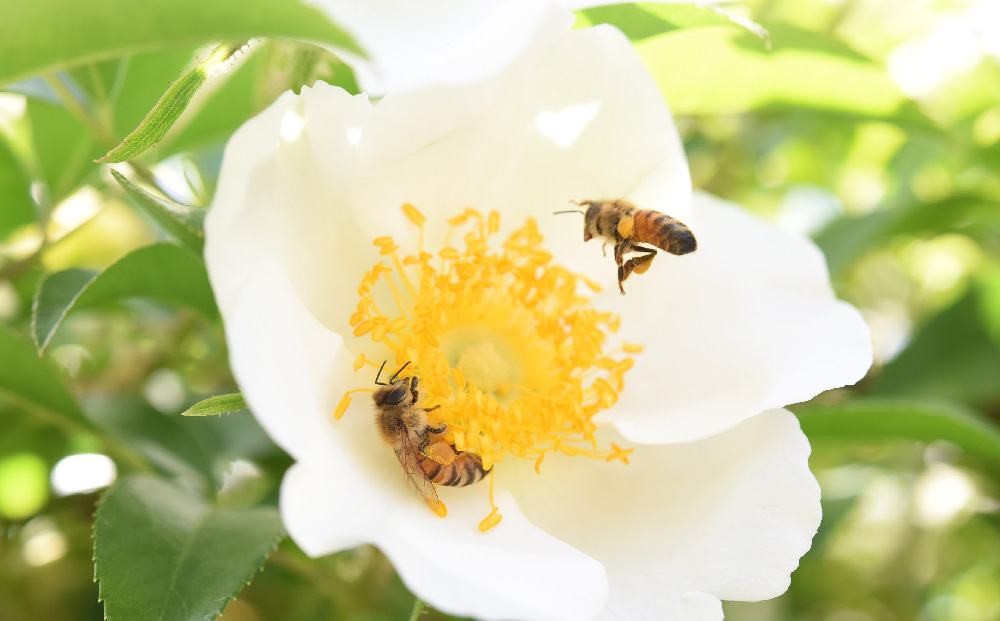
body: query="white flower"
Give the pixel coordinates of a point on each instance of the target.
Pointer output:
(716, 502)
(413, 44)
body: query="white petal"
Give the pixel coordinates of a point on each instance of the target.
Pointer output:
(314, 202)
(291, 369)
(635, 597)
(513, 571)
(348, 488)
(411, 44)
(682, 525)
(282, 198)
(746, 323)
(584, 119)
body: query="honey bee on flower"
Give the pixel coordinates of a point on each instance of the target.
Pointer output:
(636, 446)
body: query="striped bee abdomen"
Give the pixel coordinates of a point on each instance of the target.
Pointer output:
(665, 232)
(466, 469)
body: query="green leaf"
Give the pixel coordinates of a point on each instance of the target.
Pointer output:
(223, 109)
(951, 358)
(64, 147)
(722, 70)
(164, 554)
(162, 272)
(845, 240)
(47, 35)
(213, 406)
(876, 420)
(16, 205)
(643, 21)
(182, 222)
(989, 308)
(168, 443)
(25, 375)
(169, 108)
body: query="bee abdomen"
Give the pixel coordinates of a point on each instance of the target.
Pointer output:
(465, 470)
(665, 232)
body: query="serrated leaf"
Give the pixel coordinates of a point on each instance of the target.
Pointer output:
(47, 35)
(165, 554)
(876, 420)
(25, 375)
(214, 406)
(169, 108)
(182, 222)
(163, 272)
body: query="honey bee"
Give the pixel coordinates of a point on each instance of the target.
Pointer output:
(626, 226)
(425, 460)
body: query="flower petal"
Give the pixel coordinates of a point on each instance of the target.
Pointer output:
(513, 571)
(584, 119)
(281, 199)
(435, 42)
(348, 488)
(633, 599)
(681, 525)
(285, 361)
(746, 323)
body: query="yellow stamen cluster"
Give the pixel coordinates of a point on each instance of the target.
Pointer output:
(508, 351)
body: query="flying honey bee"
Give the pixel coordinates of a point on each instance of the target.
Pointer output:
(626, 226)
(426, 461)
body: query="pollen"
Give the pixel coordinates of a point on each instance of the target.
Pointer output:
(509, 352)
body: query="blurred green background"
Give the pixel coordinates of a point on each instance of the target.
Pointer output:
(871, 125)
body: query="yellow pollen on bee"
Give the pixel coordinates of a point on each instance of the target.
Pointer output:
(508, 351)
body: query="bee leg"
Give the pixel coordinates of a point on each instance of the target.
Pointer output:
(604, 249)
(439, 429)
(620, 249)
(413, 389)
(637, 264)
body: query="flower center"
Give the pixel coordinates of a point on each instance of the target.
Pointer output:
(508, 351)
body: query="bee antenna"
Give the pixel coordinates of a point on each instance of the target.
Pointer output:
(393, 378)
(569, 211)
(380, 374)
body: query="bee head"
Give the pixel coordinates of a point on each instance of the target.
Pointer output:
(591, 224)
(396, 391)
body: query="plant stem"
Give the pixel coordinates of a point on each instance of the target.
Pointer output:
(418, 607)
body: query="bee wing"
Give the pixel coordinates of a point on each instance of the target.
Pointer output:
(407, 455)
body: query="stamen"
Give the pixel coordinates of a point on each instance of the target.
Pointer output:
(494, 517)
(511, 357)
(345, 401)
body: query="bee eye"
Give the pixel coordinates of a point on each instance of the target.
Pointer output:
(397, 395)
